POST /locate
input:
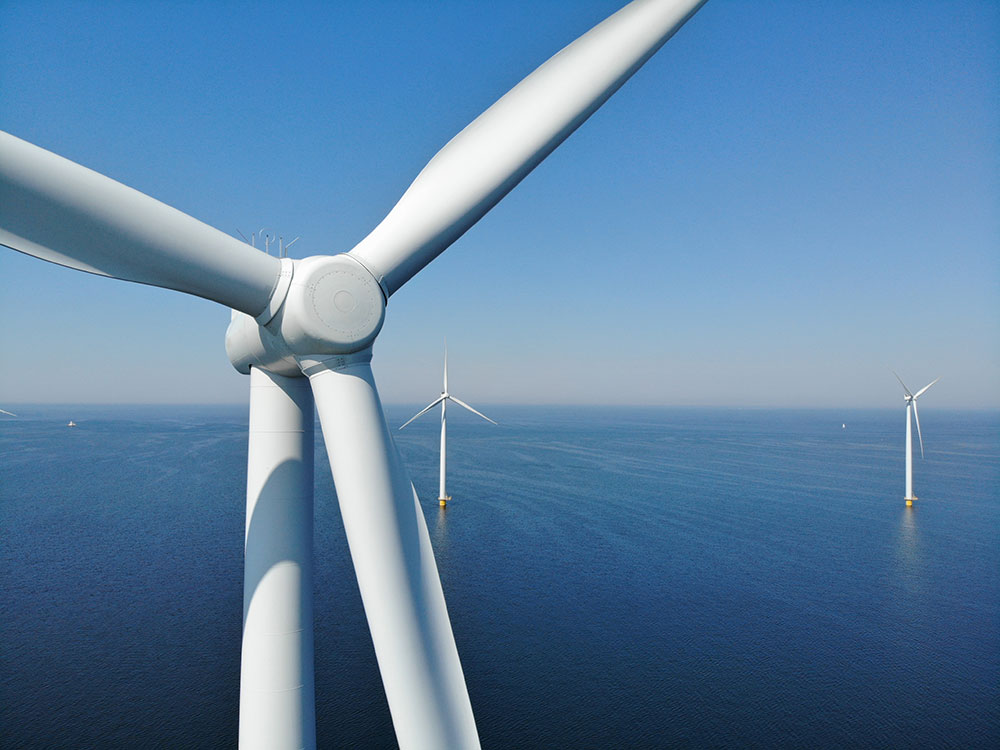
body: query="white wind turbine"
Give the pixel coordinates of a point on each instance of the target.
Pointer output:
(911, 403)
(443, 399)
(303, 330)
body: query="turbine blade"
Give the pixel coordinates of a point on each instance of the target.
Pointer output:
(916, 416)
(396, 571)
(426, 409)
(905, 389)
(59, 211)
(484, 162)
(462, 403)
(8, 413)
(918, 393)
(445, 367)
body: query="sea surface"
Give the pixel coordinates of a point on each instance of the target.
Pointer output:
(616, 578)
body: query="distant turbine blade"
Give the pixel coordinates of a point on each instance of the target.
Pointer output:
(8, 413)
(395, 567)
(426, 409)
(917, 394)
(916, 416)
(907, 390)
(462, 403)
(484, 162)
(59, 211)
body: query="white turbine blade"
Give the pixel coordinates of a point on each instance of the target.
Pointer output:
(498, 149)
(462, 403)
(918, 393)
(396, 571)
(445, 389)
(905, 389)
(8, 413)
(59, 211)
(916, 416)
(426, 409)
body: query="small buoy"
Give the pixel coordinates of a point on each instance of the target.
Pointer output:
(843, 426)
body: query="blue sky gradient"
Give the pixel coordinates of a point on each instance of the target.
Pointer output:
(787, 201)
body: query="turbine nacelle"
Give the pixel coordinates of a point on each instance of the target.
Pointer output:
(321, 306)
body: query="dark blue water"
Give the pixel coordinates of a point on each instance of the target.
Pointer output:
(616, 578)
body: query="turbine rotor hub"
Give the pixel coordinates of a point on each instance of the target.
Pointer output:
(332, 305)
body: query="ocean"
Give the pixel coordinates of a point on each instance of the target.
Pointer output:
(616, 578)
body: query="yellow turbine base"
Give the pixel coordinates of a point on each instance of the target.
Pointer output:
(909, 500)
(443, 501)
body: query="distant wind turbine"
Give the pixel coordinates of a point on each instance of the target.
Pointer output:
(443, 399)
(911, 403)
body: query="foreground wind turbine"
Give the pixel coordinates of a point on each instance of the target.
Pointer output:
(303, 330)
(911, 403)
(443, 399)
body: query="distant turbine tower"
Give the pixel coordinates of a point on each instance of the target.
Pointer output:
(911, 403)
(443, 399)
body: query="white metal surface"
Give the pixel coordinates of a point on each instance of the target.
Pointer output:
(423, 411)
(395, 567)
(484, 162)
(442, 489)
(919, 393)
(59, 211)
(460, 402)
(916, 418)
(909, 455)
(277, 705)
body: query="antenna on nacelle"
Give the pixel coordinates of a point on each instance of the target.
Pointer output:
(283, 248)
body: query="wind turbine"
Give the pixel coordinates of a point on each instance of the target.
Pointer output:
(911, 403)
(443, 399)
(303, 330)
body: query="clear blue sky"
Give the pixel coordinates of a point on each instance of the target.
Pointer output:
(788, 200)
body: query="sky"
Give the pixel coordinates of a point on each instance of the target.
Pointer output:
(786, 203)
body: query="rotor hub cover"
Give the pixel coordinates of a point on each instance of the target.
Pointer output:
(334, 306)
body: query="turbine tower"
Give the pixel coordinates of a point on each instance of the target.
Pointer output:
(443, 399)
(911, 404)
(303, 330)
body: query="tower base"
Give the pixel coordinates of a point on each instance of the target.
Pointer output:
(443, 501)
(909, 500)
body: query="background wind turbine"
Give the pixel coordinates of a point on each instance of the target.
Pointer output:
(911, 403)
(443, 399)
(303, 330)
